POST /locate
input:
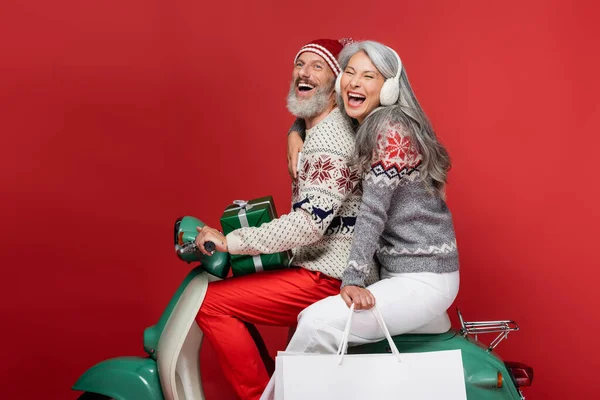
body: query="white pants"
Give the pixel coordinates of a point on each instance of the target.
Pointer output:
(406, 301)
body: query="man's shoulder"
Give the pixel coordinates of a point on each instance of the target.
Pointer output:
(335, 123)
(335, 137)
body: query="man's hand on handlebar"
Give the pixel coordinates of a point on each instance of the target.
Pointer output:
(208, 234)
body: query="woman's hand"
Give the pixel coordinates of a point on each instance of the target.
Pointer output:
(295, 145)
(208, 234)
(363, 299)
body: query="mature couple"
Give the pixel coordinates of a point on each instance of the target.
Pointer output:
(369, 223)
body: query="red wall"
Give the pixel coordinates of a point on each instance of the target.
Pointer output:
(118, 116)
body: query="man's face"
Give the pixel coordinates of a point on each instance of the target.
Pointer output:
(311, 87)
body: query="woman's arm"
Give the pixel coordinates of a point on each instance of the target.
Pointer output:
(295, 144)
(395, 153)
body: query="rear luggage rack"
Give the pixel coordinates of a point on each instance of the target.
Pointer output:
(475, 328)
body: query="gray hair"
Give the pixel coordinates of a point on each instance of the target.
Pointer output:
(407, 112)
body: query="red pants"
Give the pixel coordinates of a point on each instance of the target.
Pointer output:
(268, 298)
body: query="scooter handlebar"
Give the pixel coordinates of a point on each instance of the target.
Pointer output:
(209, 246)
(191, 247)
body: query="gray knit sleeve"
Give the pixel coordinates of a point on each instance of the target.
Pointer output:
(299, 126)
(370, 223)
(394, 153)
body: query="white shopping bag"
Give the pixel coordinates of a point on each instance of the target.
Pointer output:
(411, 376)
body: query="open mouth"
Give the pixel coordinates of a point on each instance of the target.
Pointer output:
(355, 99)
(305, 87)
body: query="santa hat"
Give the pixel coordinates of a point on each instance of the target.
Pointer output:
(328, 49)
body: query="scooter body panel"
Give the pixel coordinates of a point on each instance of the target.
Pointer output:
(481, 367)
(123, 378)
(152, 334)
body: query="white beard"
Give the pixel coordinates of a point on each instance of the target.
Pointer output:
(308, 108)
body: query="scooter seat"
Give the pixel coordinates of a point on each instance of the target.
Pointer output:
(440, 324)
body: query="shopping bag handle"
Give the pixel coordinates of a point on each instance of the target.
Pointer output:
(343, 347)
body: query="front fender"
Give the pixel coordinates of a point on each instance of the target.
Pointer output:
(123, 378)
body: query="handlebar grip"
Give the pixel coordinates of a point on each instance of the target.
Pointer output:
(209, 246)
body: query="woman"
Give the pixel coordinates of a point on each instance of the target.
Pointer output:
(403, 226)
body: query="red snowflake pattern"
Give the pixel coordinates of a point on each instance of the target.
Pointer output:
(397, 149)
(322, 169)
(304, 170)
(347, 180)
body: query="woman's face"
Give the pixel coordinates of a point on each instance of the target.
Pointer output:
(361, 83)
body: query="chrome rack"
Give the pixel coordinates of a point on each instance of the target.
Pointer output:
(475, 328)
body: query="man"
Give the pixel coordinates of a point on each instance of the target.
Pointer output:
(326, 197)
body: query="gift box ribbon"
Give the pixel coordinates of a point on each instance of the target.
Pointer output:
(244, 206)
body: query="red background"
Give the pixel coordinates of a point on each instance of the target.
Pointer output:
(118, 116)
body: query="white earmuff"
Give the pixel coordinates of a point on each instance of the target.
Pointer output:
(390, 91)
(338, 83)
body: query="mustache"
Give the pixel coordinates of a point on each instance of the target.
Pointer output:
(298, 80)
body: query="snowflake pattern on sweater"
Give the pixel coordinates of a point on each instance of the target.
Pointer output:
(325, 202)
(401, 225)
(394, 159)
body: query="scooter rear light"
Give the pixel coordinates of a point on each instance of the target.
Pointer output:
(500, 380)
(521, 374)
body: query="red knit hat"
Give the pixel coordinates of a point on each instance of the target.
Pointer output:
(328, 49)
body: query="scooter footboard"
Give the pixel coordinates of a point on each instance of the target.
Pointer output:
(123, 378)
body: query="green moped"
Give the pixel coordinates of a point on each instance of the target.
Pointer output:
(171, 371)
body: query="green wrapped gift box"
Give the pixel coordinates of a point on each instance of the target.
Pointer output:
(242, 214)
